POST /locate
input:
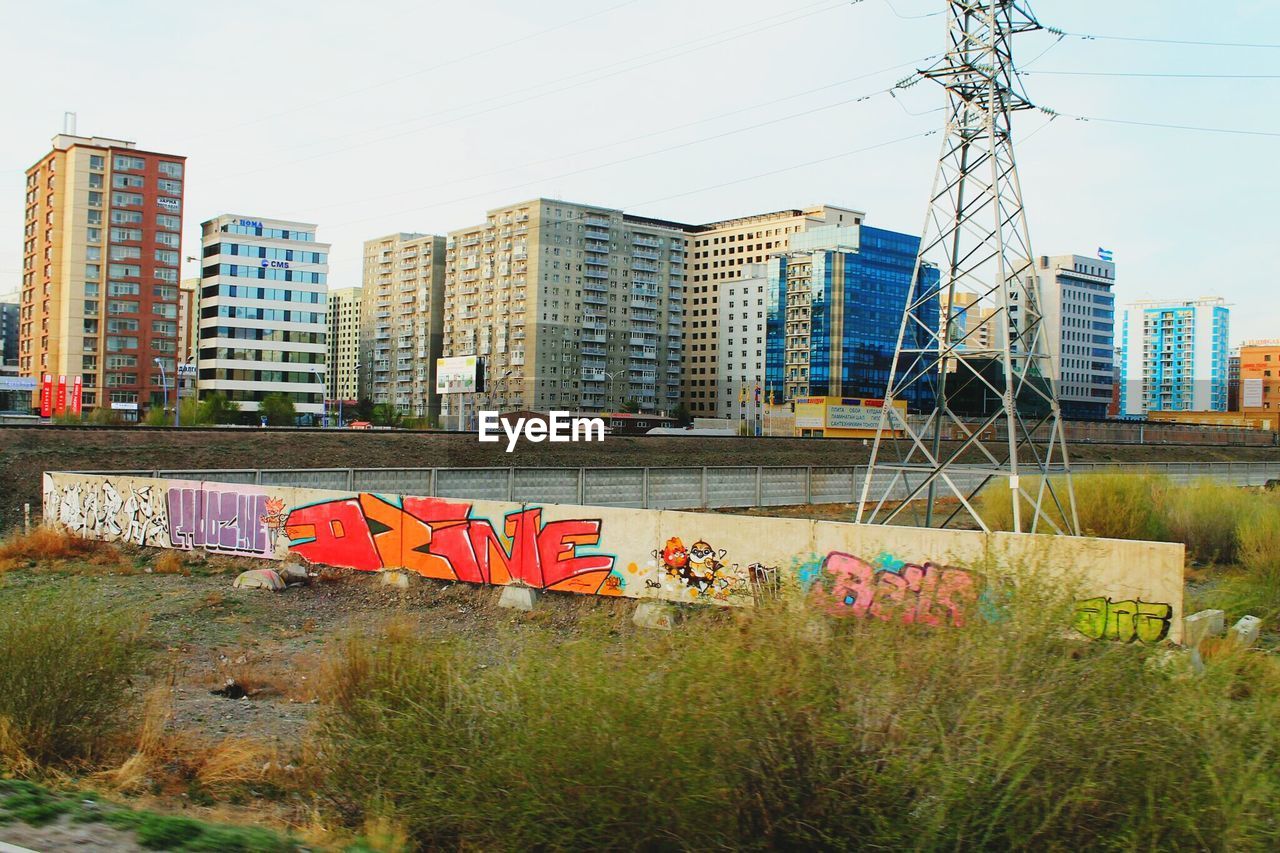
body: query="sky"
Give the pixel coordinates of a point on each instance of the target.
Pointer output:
(376, 117)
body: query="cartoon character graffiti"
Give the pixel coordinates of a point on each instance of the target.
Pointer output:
(273, 518)
(674, 557)
(700, 571)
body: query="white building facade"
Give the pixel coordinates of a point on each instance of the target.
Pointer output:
(263, 312)
(1079, 319)
(1175, 356)
(740, 381)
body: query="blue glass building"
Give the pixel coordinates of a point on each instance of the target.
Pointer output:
(835, 304)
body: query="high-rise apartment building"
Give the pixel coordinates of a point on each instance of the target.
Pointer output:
(1259, 377)
(101, 248)
(344, 343)
(1078, 315)
(188, 320)
(1175, 357)
(572, 306)
(834, 307)
(8, 333)
(971, 325)
(263, 311)
(718, 253)
(402, 313)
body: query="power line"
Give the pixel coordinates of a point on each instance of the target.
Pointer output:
(1180, 75)
(628, 159)
(1097, 37)
(391, 80)
(661, 132)
(1228, 130)
(912, 17)
(592, 75)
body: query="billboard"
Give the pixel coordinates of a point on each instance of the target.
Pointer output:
(462, 374)
(1251, 393)
(46, 395)
(854, 417)
(18, 383)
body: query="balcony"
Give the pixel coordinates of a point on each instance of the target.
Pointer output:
(595, 220)
(646, 254)
(645, 240)
(595, 272)
(595, 298)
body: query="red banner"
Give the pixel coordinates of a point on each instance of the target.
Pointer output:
(77, 388)
(46, 395)
(60, 405)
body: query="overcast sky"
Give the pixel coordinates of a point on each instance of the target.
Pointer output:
(369, 118)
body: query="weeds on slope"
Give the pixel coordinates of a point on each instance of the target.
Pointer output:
(65, 670)
(779, 728)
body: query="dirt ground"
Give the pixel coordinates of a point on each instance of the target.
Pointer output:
(26, 453)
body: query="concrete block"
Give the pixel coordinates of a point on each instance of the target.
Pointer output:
(1245, 632)
(1206, 623)
(259, 579)
(397, 579)
(518, 597)
(655, 614)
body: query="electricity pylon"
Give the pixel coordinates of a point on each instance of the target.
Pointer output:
(983, 360)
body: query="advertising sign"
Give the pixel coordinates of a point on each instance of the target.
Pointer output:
(60, 405)
(459, 375)
(853, 417)
(77, 388)
(124, 407)
(1251, 393)
(18, 383)
(46, 395)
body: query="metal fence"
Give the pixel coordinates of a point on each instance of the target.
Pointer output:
(659, 488)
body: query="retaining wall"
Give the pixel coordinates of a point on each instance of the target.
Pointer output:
(1126, 590)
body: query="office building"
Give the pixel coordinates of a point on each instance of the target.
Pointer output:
(101, 246)
(263, 312)
(8, 333)
(718, 253)
(971, 325)
(1078, 316)
(572, 307)
(344, 344)
(1175, 357)
(402, 312)
(834, 306)
(1258, 375)
(742, 334)
(188, 320)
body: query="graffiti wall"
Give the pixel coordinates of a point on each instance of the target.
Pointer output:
(1132, 591)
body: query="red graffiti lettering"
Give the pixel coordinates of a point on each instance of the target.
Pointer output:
(441, 539)
(928, 594)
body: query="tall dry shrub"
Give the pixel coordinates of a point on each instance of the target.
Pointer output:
(65, 668)
(1108, 505)
(758, 730)
(1207, 517)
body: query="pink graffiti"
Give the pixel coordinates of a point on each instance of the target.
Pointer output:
(228, 522)
(928, 594)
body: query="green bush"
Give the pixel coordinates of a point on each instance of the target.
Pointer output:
(1255, 588)
(752, 730)
(64, 678)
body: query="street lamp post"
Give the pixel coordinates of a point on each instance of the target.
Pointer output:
(324, 397)
(164, 382)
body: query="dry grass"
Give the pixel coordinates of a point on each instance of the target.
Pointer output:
(54, 549)
(171, 563)
(173, 762)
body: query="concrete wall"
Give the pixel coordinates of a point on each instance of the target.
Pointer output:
(1127, 590)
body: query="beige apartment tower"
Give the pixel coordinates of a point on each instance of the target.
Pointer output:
(401, 312)
(572, 307)
(344, 344)
(719, 253)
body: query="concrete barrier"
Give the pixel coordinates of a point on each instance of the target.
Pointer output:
(1127, 591)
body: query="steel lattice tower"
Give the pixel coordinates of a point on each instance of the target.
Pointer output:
(991, 345)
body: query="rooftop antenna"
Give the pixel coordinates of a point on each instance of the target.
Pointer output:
(976, 234)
